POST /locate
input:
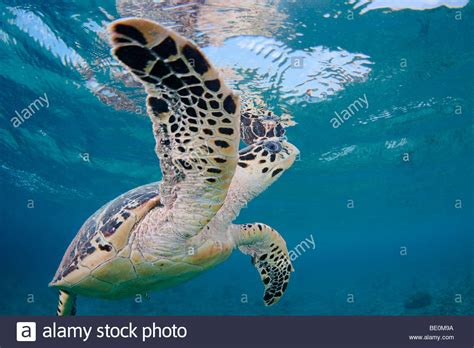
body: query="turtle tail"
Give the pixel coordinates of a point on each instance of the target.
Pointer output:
(67, 304)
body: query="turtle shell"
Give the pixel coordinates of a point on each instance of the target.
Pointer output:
(105, 233)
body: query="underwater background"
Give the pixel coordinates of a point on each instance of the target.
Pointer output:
(387, 194)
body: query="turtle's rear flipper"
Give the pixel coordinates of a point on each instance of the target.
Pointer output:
(67, 304)
(269, 255)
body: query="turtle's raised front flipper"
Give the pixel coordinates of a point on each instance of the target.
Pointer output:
(67, 304)
(195, 117)
(269, 255)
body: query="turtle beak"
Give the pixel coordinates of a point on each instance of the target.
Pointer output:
(292, 152)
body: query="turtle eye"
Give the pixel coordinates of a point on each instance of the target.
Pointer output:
(273, 146)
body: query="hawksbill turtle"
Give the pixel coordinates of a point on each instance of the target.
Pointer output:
(162, 234)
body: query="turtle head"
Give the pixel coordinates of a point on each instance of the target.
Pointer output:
(263, 162)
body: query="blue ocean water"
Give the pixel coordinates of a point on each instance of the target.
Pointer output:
(386, 193)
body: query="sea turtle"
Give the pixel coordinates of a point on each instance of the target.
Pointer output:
(165, 233)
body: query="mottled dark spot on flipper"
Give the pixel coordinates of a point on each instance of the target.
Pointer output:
(197, 90)
(213, 85)
(276, 171)
(229, 105)
(172, 82)
(191, 112)
(134, 56)
(267, 297)
(131, 32)
(122, 40)
(149, 79)
(202, 104)
(179, 66)
(196, 59)
(190, 80)
(159, 70)
(165, 48)
(248, 157)
(158, 106)
(222, 143)
(184, 164)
